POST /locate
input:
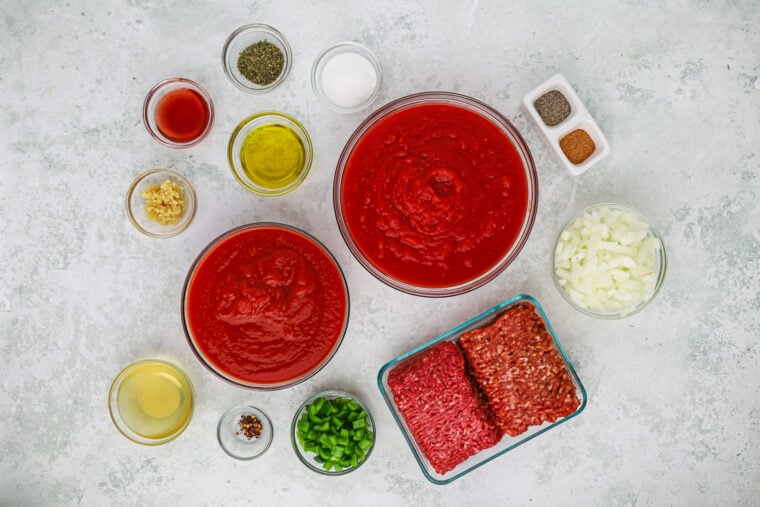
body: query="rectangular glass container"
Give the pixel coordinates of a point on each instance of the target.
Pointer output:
(507, 443)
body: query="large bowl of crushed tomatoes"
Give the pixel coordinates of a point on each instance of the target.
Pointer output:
(435, 193)
(265, 306)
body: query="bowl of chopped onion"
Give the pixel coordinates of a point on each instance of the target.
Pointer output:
(609, 261)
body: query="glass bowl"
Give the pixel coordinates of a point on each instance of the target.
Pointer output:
(507, 442)
(135, 203)
(232, 437)
(198, 97)
(324, 58)
(151, 402)
(237, 141)
(241, 39)
(657, 276)
(491, 116)
(252, 300)
(311, 459)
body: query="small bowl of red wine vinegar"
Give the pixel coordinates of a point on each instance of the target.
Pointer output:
(178, 112)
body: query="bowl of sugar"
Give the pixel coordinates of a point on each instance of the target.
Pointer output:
(346, 76)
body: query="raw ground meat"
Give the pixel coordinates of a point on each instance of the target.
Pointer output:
(447, 415)
(514, 361)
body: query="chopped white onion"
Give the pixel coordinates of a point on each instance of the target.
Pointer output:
(606, 261)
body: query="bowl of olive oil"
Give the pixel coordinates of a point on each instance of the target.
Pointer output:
(270, 153)
(151, 402)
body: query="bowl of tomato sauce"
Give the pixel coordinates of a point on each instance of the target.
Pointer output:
(435, 193)
(265, 306)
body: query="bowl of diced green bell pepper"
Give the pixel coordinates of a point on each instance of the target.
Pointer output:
(333, 433)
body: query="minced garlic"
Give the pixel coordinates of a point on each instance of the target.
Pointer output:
(164, 203)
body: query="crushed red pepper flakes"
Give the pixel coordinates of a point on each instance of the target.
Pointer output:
(250, 427)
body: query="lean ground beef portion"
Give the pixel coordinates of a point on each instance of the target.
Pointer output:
(447, 415)
(514, 361)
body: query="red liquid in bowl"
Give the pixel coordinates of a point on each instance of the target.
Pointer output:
(434, 195)
(266, 306)
(182, 115)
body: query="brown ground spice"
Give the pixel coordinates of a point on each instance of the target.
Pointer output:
(577, 146)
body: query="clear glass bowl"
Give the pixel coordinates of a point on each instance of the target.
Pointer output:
(135, 203)
(151, 402)
(247, 126)
(660, 269)
(191, 338)
(153, 99)
(307, 458)
(234, 442)
(241, 39)
(507, 442)
(491, 115)
(326, 55)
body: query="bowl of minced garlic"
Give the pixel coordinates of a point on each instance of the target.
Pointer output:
(160, 203)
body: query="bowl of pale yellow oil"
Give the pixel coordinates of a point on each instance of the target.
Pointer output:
(151, 402)
(270, 153)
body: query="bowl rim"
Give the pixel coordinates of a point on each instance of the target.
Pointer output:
(453, 335)
(248, 407)
(191, 339)
(302, 134)
(337, 48)
(330, 394)
(190, 210)
(287, 53)
(489, 114)
(190, 84)
(113, 410)
(662, 263)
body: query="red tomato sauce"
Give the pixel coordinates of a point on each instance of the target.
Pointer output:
(266, 305)
(182, 115)
(434, 195)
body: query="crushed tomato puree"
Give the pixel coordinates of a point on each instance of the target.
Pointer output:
(266, 305)
(434, 195)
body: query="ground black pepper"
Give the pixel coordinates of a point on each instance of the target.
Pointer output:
(552, 107)
(261, 63)
(250, 427)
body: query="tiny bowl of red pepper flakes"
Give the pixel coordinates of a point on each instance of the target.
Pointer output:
(481, 389)
(244, 432)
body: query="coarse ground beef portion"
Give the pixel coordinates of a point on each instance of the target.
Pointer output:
(516, 364)
(447, 415)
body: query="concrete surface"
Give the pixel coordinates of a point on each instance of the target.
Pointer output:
(674, 413)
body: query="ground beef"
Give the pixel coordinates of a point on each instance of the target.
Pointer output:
(446, 413)
(516, 364)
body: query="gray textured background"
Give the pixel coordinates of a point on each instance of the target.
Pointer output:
(674, 413)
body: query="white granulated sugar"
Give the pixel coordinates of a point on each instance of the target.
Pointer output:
(348, 80)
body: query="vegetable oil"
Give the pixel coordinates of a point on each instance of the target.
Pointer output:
(154, 399)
